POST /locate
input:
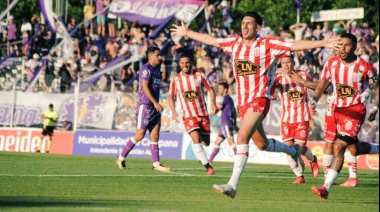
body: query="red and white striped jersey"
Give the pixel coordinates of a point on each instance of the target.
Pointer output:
(190, 93)
(254, 66)
(348, 82)
(294, 97)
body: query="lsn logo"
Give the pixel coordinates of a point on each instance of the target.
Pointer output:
(245, 67)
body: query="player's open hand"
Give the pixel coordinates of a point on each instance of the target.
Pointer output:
(333, 41)
(178, 31)
(296, 77)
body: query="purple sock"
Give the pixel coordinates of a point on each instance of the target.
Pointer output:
(128, 147)
(234, 150)
(213, 154)
(155, 152)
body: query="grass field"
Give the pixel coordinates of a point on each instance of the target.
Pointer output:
(42, 182)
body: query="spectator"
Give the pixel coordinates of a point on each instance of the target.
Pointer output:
(354, 29)
(25, 26)
(317, 32)
(32, 66)
(367, 33)
(67, 76)
(111, 19)
(101, 18)
(199, 56)
(66, 126)
(326, 29)
(227, 16)
(298, 30)
(12, 37)
(102, 83)
(49, 74)
(87, 12)
(38, 30)
(265, 30)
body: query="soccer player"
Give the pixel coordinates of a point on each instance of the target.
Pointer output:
(350, 76)
(148, 110)
(254, 72)
(189, 86)
(330, 136)
(295, 114)
(50, 117)
(226, 105)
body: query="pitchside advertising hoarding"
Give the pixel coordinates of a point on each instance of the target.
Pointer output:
(27, 140)
(172, 146)
(111, 143)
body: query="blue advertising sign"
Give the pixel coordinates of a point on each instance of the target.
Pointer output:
(111, 143)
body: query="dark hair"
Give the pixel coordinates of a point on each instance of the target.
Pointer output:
(257, 17)
(224, 84)
(350, 36)
(151, 50)
(51, 105)
(186, 55)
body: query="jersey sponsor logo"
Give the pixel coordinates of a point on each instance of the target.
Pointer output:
(295, 95)
(345, 91)
(245, 67)
(190, 95)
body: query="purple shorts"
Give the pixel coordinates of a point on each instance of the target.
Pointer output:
(147, 116)
(226, 131)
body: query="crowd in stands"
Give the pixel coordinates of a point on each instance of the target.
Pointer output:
(100, 40)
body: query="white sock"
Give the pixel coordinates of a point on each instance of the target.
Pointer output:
(330, 179)
(327, 161)
(293, 166)
(309, 155)
(277, 146)
(200, 153)
(239, 164)
(352, 164)
(374, 149)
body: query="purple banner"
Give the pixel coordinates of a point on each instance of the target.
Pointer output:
(153, 11)
(111, 143)
(46, 9)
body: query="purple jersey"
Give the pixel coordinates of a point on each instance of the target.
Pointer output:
(153, 76)
(228, 110)
(100, 6)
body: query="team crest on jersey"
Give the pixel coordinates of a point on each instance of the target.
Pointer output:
(190, 95)
(295, 95)
(245, 67)
(345, 91)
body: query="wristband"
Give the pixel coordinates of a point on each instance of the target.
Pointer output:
(187, 31)
(375, 108)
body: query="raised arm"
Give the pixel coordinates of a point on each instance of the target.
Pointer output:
(200, 37)
(328, 42)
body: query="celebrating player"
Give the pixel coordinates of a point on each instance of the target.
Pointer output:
(350, 76)
(295, 114)
(254, 73)
(189, 86)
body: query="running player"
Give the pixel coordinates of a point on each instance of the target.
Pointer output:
(189, 86)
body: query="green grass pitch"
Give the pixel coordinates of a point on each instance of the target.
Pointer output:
(43, 182)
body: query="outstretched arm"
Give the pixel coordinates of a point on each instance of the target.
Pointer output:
(328, 42)
(200, 37)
